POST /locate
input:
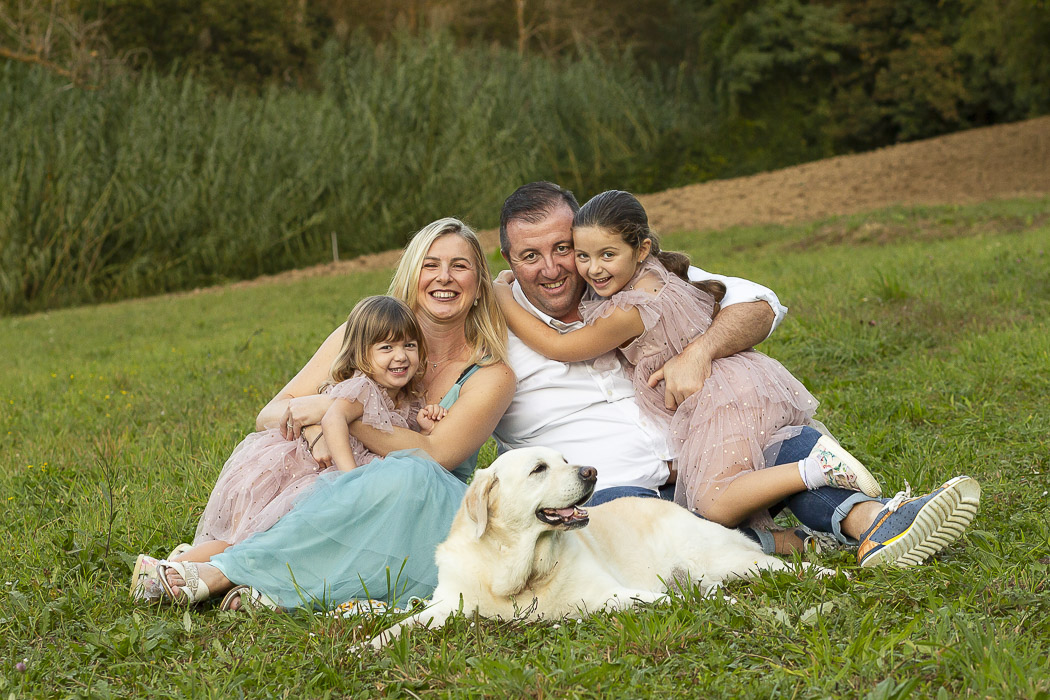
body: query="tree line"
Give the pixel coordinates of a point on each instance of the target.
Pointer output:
(851, 74)
(156, 145)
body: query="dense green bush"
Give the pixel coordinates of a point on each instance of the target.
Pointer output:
(237, 137)
(158, 184)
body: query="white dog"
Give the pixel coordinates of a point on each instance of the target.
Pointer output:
(521, 546)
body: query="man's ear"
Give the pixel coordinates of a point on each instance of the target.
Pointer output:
(479, 498)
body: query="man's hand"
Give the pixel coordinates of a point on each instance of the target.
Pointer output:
(683, 375)
(734, 329)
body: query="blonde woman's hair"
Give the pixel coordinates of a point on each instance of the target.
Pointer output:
(375, 320)
(486, 329)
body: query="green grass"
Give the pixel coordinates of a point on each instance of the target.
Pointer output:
(923, 332)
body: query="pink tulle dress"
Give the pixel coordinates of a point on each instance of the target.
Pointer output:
(266, 473)
(748, 406)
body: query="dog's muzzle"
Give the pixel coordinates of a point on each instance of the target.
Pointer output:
(572, 516)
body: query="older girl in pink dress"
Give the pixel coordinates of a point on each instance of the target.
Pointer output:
(724, 437)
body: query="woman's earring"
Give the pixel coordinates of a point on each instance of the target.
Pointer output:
(475, 301)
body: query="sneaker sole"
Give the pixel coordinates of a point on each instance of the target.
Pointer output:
(939, 523)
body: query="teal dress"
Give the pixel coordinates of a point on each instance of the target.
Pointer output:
(367, 533)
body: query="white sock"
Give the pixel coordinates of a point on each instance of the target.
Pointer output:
(812, 472)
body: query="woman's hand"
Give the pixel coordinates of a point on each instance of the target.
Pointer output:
(301, 412)
(304, 384)
(505, 278)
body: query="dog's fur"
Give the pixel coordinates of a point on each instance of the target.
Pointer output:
(504, 557)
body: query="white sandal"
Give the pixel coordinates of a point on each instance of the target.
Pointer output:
(145, 585)
(194, 590)
(251, 598)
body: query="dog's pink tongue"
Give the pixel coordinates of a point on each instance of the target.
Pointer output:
(565, 512)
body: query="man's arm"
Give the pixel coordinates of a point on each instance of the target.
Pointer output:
(748, 316)
(742, 291)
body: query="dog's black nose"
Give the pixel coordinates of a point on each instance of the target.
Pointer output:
(588, 474)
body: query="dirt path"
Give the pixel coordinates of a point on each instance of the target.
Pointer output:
(1009, 160)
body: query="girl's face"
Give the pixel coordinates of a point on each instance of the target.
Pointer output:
(604, 260)
(448, 281)
(394, 363)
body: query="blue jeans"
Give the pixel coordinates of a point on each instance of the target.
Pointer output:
(821, 510)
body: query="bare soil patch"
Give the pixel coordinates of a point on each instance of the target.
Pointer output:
(1004, 161)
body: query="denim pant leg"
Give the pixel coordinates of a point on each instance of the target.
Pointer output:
(822, 509)
(614, 492)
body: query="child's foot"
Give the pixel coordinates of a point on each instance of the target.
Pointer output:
(247, 598)
(908, 530)
(145, 585)
(843, 470)
(204, 580)
(788, 542)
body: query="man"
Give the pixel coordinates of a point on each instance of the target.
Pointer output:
(590, 415)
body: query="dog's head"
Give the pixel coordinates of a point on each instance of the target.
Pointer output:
(529, 488)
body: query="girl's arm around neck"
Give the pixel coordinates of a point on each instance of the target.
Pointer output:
(586, 343)
(469, 423)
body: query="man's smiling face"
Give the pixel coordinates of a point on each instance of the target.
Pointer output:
(541, 256)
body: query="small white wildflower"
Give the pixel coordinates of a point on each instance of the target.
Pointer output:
(556, 626)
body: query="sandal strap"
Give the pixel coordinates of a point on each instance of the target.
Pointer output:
(194, 589)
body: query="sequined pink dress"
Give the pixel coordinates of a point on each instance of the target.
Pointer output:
(736, 422)
(266, 473)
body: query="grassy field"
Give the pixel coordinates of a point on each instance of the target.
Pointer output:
(923, 331)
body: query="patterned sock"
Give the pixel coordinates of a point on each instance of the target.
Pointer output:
(812, 472)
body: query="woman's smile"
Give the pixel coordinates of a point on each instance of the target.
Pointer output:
(448, 280)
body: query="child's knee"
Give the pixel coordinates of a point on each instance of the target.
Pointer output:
(717, 511)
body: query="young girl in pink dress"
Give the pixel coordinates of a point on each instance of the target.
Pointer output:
(724, 437)
(376, 379)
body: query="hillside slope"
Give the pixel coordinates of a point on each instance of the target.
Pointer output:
(1009, 160)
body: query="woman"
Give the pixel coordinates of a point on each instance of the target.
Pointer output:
(350, 536)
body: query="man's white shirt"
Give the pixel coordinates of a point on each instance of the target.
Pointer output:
(590, 415)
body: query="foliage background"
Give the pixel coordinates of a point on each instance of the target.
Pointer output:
(155, 146)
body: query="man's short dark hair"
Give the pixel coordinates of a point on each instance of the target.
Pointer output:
(532, 203)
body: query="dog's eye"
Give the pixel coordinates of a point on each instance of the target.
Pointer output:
(539, 468)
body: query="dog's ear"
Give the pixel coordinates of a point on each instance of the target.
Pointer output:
(478, 498)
